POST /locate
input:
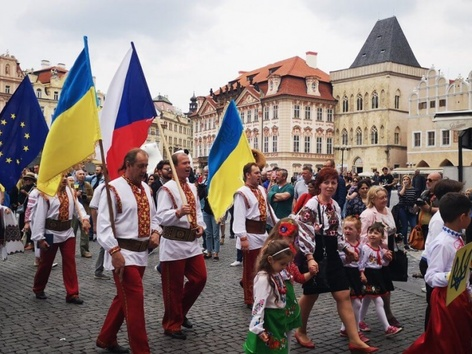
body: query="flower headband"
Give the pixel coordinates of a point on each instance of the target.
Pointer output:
(287, 228)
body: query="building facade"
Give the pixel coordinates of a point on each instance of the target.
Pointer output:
(287, 110)
(11, 76)
(373, 101)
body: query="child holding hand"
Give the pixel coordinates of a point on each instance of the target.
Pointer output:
(372, 258)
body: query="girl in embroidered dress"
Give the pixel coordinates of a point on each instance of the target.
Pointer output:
(372, 258)
(269, 327)
(352, 231)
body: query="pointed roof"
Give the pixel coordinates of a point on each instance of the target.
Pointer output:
(386, 43)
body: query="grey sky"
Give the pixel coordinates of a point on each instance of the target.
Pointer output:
(192, 46)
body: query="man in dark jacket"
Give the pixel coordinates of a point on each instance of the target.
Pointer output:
(341, 191)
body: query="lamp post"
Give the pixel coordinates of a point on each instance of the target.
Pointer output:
(342, 149)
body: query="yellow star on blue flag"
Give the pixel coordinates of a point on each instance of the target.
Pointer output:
(21, 139)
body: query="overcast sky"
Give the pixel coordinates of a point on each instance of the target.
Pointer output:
(191, 46)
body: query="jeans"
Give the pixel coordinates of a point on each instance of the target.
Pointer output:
(99, 263)
(212, 233)
(84, 237)
(406, 218)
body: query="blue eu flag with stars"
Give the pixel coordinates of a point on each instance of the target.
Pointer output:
(23, 131)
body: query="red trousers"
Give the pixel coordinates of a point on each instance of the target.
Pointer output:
(249, 270)
(69, 271)
(128, 304)
(179, 298)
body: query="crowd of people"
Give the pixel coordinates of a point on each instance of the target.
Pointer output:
(331, 233)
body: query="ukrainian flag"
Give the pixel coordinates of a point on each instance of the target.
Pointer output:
(75, 127)
(228, 155)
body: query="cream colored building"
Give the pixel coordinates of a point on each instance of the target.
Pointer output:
(371, 115)
(11, 77)
(287, 110)
(176, 127)
(433, 145)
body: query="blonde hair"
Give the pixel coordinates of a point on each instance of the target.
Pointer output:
(356, 221)
(373, 193)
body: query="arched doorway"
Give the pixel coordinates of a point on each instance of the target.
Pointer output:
(358, 165)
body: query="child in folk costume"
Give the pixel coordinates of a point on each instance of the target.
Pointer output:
(352, 231)
(449, 328)
(372, 258)
(270, 326)
(10, 236)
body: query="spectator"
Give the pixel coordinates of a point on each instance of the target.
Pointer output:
(407, 212)
(341, 191)
(280, 196)
(419, 183)
(301, 186)
(387, 181)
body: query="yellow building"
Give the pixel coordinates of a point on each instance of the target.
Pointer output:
(11, 77)
(287, 109)
(371, 115)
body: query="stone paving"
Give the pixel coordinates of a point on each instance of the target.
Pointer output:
(219, 316)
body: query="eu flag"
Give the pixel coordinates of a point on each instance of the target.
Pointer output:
(23, 131)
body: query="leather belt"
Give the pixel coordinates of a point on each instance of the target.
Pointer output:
(134, 245)
(255, 227)
(179, 233)
(58, 225)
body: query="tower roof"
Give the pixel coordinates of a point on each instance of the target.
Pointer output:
(386, 43)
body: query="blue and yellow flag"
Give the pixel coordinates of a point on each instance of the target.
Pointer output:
(228, 155)
(22, 133)
(75, 128)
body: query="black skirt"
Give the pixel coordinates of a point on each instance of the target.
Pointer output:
(354, 278)
(334, 278)
(376, 284)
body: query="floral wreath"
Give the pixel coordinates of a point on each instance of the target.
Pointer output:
(287, 228)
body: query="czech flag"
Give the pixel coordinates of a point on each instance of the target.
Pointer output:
(228, 155)
(127, 113)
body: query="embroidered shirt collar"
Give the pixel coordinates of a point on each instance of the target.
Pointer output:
(451, 232)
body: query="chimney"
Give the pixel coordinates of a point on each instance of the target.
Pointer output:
(61, 65)
(45, 64)
(312, 59)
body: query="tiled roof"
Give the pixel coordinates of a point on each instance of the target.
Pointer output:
(44, 75)
(386, 43)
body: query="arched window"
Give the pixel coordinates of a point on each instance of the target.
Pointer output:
(375, 100)
(345, 104)
(359, 136)
(344, 137)
(374, 135)
(396, 136)
(360, 102)
(38, 93)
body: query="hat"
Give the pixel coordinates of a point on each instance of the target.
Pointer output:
(30, 175)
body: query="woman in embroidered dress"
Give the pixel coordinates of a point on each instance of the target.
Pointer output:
(377, 210)
(269, 328)
(328, 241)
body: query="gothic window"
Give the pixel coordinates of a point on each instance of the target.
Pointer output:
(344, 137)
(345, 104)
(358, 136)
(375, 100)
(374, 135)
(360, 102)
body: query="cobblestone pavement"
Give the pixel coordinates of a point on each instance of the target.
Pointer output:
(219, 316)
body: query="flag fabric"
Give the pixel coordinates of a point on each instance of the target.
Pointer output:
(127, 113)
(155, 156)
(23, 131)
(75, 127)
(228, 155)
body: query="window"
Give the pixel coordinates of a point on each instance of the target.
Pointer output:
(296, 111)
(38, 93)
(417, 139)
(274, 143)
(296, 143)
(330, 115)
(249, 116)
(374, 135)
(7, 89)
(375, 100)
(358, 136)
(256, 143)
(422, 105)
(432, 104)
(266, 113)
(396, 137)
(344, 137)
(256, 115)
(360, 102)
(396, 102)
(56, 96)
(266, 144)
(319, 145)
(432, 138)
(446, 137)
(329, 145)
(242, 117)
(442, 103)
(319, 114)
(308, 113)
(345, 104)
(276, 112)
(307, 144)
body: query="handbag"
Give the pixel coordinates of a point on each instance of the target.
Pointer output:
(20, 209)
(399, 265)
(416, 237)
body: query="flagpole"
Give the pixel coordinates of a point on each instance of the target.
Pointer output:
(172, 166)
(107, 180)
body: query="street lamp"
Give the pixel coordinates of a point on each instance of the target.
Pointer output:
(342, 149)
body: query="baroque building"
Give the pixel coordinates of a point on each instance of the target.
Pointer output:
(373, 101)
(435, 145)
(11, 76)
(287, 110)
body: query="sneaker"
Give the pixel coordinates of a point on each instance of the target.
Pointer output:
(364, 327)
(392, 330)
(343, 333)
(236, 264)
(158, 268)
(101, 276)
(54, 265)
(394, 322)
(423, 289)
